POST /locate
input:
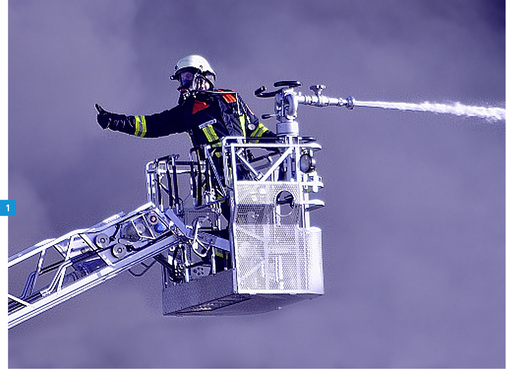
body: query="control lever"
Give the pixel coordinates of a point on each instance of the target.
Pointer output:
(260, 92)
(289, 84)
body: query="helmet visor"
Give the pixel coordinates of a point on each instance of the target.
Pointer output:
(186, 78)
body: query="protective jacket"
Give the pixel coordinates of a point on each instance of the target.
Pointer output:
(206, 116)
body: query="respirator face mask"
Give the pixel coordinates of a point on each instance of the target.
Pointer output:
(186, 79)
(195, 81)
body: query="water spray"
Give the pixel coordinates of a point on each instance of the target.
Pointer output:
(488, 113)
(287, 100)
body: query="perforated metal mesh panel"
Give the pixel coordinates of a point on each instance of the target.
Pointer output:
(267, 203)
(273, 253)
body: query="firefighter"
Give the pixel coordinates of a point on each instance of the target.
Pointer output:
(205, 113)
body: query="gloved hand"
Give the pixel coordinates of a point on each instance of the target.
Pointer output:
(103, 117)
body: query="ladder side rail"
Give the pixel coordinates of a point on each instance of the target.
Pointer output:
(33, 250)
(89, 281)
(38, 248)
(65, 249)
(29, 250)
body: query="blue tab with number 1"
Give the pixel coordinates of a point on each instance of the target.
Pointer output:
(8, 207)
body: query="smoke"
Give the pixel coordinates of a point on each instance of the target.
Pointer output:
(413, 228)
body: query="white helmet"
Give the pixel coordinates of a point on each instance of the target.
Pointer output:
(195, 62)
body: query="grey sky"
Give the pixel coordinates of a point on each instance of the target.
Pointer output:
(413, 230)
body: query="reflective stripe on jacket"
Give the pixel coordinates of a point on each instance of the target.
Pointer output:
(206, 117)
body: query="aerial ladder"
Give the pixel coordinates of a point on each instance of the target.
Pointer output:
(237, 240)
